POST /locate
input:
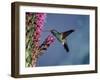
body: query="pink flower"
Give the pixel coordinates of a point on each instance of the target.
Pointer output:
(40, 19)
(38, 31)
(50, 39)
(38, 25)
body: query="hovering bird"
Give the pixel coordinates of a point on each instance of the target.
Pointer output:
(61, 37)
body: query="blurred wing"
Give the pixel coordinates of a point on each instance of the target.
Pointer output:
(66, 33)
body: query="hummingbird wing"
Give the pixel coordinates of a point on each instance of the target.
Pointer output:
(66, 47)
(66, 33)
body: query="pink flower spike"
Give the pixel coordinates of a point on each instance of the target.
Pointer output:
(50, 39)
(38, 27)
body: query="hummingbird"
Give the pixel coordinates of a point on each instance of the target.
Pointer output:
(61, 37)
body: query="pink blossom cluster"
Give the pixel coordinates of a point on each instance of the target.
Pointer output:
(49, 40)
(38, 27)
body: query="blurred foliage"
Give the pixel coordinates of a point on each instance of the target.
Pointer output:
(29, 39)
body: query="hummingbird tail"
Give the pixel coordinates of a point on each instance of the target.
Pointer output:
(66, 47)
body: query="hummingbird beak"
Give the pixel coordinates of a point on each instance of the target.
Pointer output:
(46, 30)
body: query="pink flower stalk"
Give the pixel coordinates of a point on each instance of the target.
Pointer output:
(38, 26)
(39, 20)
(49, 40)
